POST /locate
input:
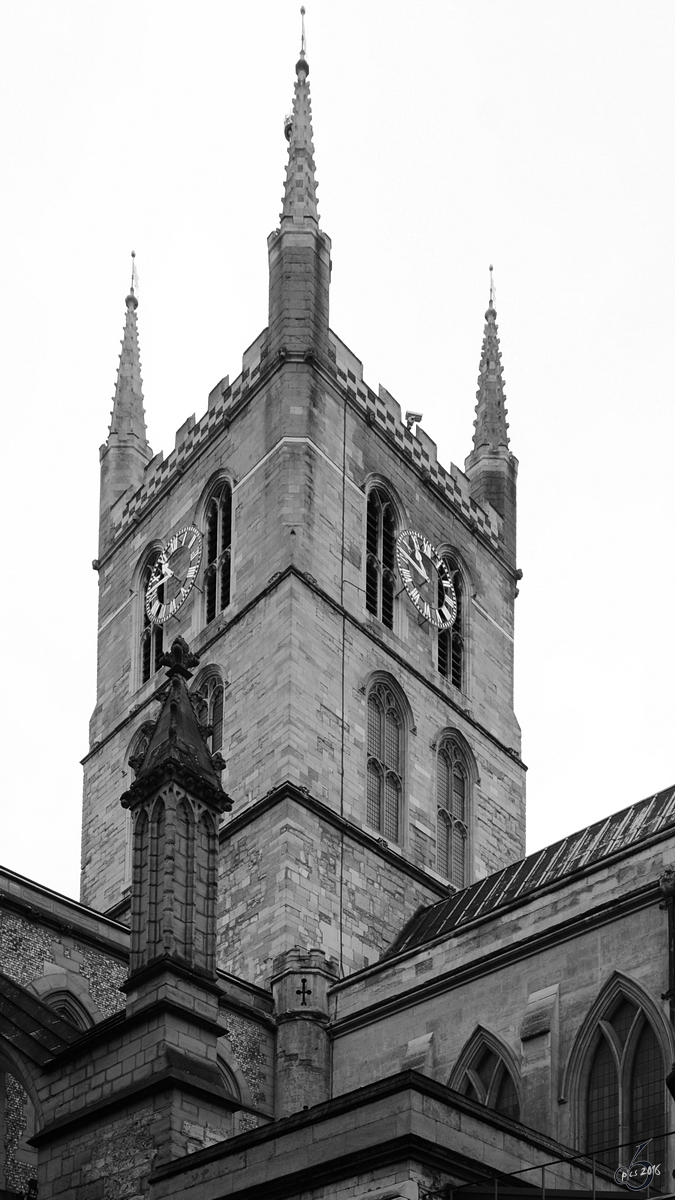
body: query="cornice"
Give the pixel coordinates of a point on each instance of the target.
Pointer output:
(487, 964)
(162, 1081)
(48, 917)
(381, 1153)
(290, 791)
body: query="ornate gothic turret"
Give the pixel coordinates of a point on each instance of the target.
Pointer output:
(491, 467)
(172, 996)
(126, 451)
(176, 801)
(299, 253)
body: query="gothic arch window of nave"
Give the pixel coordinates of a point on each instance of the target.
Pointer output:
(452, 642)
(380, 555)
(454, 786)
(617, 1071)
(486, 1072)
(386, 746)
(218, 550)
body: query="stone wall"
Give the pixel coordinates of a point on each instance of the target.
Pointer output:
(51, 944)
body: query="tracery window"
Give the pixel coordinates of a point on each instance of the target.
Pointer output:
(211, 693)
(380, 556)
(385, 762)
(152, 636)
(488, 1080)
(452, 793)
(451, 641)
(217, 573)
(625, 1088)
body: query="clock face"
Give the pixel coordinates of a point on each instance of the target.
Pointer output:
(426, 578)
(173, 575)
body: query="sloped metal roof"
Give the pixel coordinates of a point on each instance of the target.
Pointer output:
(521, 879)
(33, 1028)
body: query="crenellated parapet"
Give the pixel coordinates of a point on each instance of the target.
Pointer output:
(379, 409)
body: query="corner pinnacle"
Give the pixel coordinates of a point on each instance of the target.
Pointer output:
(299, 199)
(490, 425)
(127, 422)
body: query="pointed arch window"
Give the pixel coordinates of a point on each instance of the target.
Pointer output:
(452, 793)
(70, 1008)
(385, 762)
(217, 573)
(488, 1080)
(209, 695)
(380, 556)
(451, 641)
(625, 1087)
(152, 636)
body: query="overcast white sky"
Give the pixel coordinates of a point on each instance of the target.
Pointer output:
(535, 135)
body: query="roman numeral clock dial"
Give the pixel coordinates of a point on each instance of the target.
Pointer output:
(426, 578)
(174, 574)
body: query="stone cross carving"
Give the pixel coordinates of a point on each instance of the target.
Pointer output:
(304, 992)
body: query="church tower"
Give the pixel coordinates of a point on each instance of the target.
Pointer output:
(373, 754)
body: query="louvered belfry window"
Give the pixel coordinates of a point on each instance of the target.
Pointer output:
(385, 763)
(625, 1089)
(217, 572)
(453, 802)
(152, 636)
(380, 556)
(451, 641)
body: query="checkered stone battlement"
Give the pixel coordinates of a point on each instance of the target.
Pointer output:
(385, 412)
(381, 410)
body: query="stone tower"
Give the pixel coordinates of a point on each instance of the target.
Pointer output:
(373, 758)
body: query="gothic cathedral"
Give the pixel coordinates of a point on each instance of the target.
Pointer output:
(311, 958)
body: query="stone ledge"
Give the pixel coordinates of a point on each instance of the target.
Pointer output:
(344, 1137)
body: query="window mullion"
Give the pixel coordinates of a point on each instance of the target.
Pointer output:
(626, 1072)
(380, 559)
(477, 1085)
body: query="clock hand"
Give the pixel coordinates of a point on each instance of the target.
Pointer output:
(422, 568)
(417, 565)
(160, 582)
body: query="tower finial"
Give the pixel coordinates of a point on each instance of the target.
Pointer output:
(303, 44)
(493, 290)
(134, 274)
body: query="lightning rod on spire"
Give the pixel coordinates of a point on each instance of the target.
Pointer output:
(303, 45)
(134, 274)
(493, 290)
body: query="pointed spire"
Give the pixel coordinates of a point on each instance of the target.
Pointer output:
(177, 748)
(299, 199)
(127, 421)
(490, 424)
(491, 467)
